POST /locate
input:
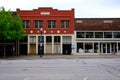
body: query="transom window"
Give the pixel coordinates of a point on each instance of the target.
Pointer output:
(51, 24)
(80, 35)
(40, 38)
(32, 39)
(98, 34)
(107, 34)
(38, 23)
(65, 23)
(48, 39)
(116, 35)
(26, 23)
(57, 39)
(89, 35)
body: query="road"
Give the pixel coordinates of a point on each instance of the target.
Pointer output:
(61, 69)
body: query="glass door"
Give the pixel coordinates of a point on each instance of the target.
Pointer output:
(106, 48)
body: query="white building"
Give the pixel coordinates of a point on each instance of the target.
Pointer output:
(95, 36)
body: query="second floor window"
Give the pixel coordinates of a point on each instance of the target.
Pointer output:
(51, 24)
(116, 35)
(80, 35)
(26, 23)
(65, 24)
(38, 24)
(107, 34)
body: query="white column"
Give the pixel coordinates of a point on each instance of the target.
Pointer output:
(61, 48)
(99, 48)
(28, 46)
(93, 47)
(73, 43)
(52, 44)
(84, 46)
(117, 48)
(102, 48)
(37, 44)
(110, 49)
(44, 44)
(106, 47)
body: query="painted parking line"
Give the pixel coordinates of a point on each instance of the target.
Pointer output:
(27, 79)
(85, 78)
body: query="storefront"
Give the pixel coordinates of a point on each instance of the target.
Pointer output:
(94, 44)
(52, 44)
(98, 48)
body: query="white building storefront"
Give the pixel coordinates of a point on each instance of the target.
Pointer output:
(52, 44)
(97, 42)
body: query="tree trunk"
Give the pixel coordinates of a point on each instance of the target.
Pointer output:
(4, 51)
(15, 47)
(18, 48)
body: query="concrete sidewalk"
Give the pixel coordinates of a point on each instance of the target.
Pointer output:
(30, 57)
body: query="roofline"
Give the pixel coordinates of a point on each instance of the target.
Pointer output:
(93, 18)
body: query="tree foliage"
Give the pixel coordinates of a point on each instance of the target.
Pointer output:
(11, 26)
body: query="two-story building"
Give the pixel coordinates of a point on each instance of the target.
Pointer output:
(55, 26)
(95, 36)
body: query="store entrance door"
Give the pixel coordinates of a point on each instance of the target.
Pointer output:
(66, 49)
(106, 48)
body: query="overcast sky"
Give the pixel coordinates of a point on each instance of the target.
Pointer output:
(83, 8)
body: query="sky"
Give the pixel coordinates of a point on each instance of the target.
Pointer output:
(83, 8)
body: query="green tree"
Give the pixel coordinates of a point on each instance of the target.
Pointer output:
(11, 27)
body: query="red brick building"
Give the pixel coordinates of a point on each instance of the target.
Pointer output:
(56, 27)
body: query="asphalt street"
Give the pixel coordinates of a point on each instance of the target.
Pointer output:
(60, 69)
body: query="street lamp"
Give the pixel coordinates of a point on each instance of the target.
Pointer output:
(41, 43)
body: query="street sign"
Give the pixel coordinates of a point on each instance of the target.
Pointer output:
(72, 47)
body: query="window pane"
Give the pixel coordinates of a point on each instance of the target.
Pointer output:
(107, 34)
(32, 39)
(57, 39)
(96, 48)
(118, 47)
(48, 38)
(36, 24)
(80, 34)
(40, 24)
(40, 39)
(88, 47)
(49, 24)
(80, 48)
(27, 24)
(62, 24)
(98, 34)
(67, 24)
(54, 24)
(89, 34)
(116, 35)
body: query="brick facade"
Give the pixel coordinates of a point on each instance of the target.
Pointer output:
(97, 24)
(46, 14)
